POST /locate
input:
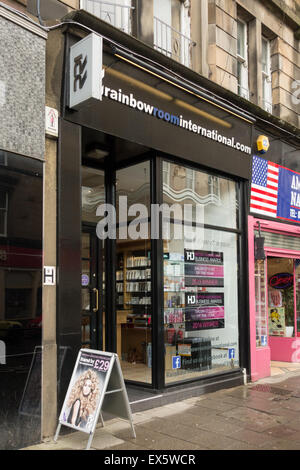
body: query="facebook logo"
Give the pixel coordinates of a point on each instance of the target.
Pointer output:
(231, 353)
(176, 362)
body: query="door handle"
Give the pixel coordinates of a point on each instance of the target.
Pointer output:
(95, 309)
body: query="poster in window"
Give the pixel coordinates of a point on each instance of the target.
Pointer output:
(277, 321)
(203, 268)
(204, 310)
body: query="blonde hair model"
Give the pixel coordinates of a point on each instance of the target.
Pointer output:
(83, 398)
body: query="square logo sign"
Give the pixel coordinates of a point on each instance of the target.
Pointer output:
(86, 72)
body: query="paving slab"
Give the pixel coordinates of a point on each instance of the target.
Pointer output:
(258, 416)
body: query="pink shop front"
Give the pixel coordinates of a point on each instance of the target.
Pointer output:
(274, 266)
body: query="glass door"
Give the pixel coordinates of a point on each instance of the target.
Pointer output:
(297, 290)
(92, 255)
(92, 291)
(281, 296)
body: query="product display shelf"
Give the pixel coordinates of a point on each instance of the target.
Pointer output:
(133, 285)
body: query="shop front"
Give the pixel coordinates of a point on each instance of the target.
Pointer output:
(151, 228)
(274, 258)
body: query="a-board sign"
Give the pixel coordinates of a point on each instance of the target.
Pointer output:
(96, 386)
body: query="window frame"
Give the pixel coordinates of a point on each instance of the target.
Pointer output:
(243, 84)
(267, 78)
(120, 20)
(238, 231)
(166, 36)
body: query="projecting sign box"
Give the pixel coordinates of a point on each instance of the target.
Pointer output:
(86, 71)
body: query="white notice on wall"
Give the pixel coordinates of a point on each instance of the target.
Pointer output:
(51, 121)
(49, 276)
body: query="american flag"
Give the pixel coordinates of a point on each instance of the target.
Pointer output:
(264, 187)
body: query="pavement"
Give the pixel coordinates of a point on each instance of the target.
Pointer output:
(264, 415)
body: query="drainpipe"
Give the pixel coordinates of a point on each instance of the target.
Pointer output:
(38, 7)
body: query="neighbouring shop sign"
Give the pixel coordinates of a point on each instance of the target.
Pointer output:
(96, 386)
(281, 280)
(86, 72)
(275, 190)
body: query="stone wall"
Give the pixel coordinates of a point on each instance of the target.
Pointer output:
(262, 18)
(22, 89)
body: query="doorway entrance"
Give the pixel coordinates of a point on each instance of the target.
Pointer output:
(92, 287)
(283, 278)
(92, 261)
(274, 294)
(127, 277)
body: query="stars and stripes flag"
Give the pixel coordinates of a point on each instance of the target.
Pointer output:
(264, 187)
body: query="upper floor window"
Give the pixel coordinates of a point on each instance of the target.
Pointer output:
(266, 75)
(172, 29)
(115, 12)
(242, 59)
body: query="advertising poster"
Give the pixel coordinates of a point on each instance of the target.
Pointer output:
(277, 321)
(83, 398)
(203, 268)
(204, 311)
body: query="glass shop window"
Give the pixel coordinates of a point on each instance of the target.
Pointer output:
(133, 274)
(200, 276)
(260, 304)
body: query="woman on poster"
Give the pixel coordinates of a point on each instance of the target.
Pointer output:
(83, 399)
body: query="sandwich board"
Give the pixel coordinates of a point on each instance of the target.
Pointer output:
(96, 386)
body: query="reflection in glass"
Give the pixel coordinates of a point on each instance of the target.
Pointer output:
(21, 195)
(85, 245)
(92, 193)
(216, 196)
